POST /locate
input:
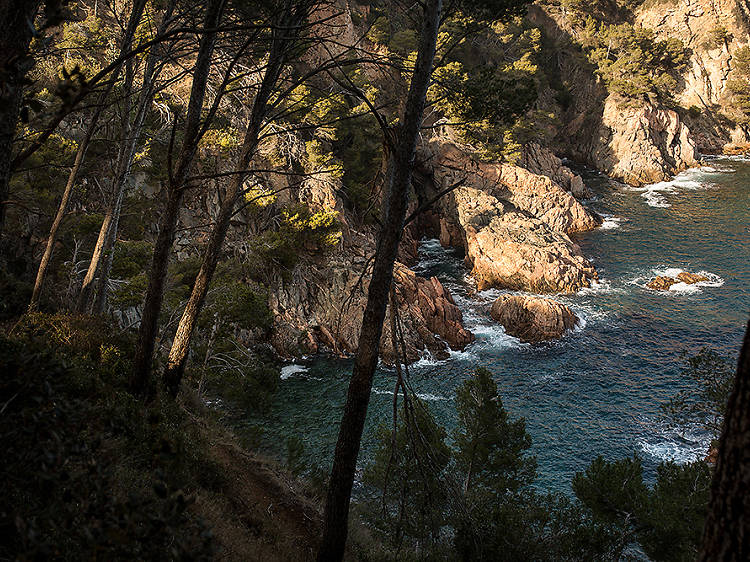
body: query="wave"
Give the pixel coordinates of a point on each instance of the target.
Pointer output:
(654, 193)
(291, 370)
(421, 395)
(681, 445)
(611, 222)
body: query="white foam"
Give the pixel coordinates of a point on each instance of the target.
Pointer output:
(421, 395)
(713, 280)
(611, 222)
(677, 444)
(654, 193)
(291, 370)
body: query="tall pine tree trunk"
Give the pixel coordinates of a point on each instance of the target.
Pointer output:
(283, 40)
(133, 21)
(17, 17)
(366, 359)
(726, 535)
(101, 259)
(141, 383)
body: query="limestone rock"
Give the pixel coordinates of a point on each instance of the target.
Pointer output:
(533, 319)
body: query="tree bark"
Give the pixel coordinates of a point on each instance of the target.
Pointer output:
(284, 35)
(133, 21)
(366, 359)
(18, 28)
(140, 381)
(101, 259)
(726, 535)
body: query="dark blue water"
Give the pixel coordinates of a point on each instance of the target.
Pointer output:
(599, 389)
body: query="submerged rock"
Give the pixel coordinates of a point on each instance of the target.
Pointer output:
(533, 319)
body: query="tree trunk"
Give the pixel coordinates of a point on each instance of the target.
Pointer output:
(103, 250)
(366, 359)
(18, 27)
(282, 42)
(140, 382)
(133, 21)
(726, 535)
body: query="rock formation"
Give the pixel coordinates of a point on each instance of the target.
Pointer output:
(542, 161)
(533, 319)
(323, 307)
(663, 282)
(643, 145)
(511, 223)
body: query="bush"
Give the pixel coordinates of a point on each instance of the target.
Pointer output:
(89, 472)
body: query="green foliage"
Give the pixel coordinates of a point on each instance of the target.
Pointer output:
(489, 448)
(631, 61)
(714, 376)
(380, 31)
(484, 101)
(408, 474)
(131, 258)
(299, 231)
(667, 520)
(738, 84)
(717, 37)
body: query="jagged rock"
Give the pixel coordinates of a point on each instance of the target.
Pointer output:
(323, 307)
(533, 319)
(643, 145)
(690, 278)
(663, 282)
(534, 194)
(542, 161)
(510, 249)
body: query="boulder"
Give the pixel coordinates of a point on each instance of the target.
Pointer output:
(690, 278)
(533, 319)
(542, 161)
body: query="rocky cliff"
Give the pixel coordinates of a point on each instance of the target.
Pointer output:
(512, 224)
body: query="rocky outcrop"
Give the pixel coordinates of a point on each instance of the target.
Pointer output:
(534, 194)
(643, 144)
(323, 308)
(542, 161)
(663, 282)
(533, 319)
(512, 224)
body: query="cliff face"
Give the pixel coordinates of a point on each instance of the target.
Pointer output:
(713, 30)
(642, 145)
(643, 140)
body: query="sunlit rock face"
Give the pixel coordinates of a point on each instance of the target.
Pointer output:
(512, 224)
(533, 319)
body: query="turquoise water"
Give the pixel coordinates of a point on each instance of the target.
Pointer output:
(598, 390)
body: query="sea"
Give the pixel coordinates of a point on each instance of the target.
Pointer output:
(598, 390)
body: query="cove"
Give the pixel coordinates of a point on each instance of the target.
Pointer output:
(598, 390)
